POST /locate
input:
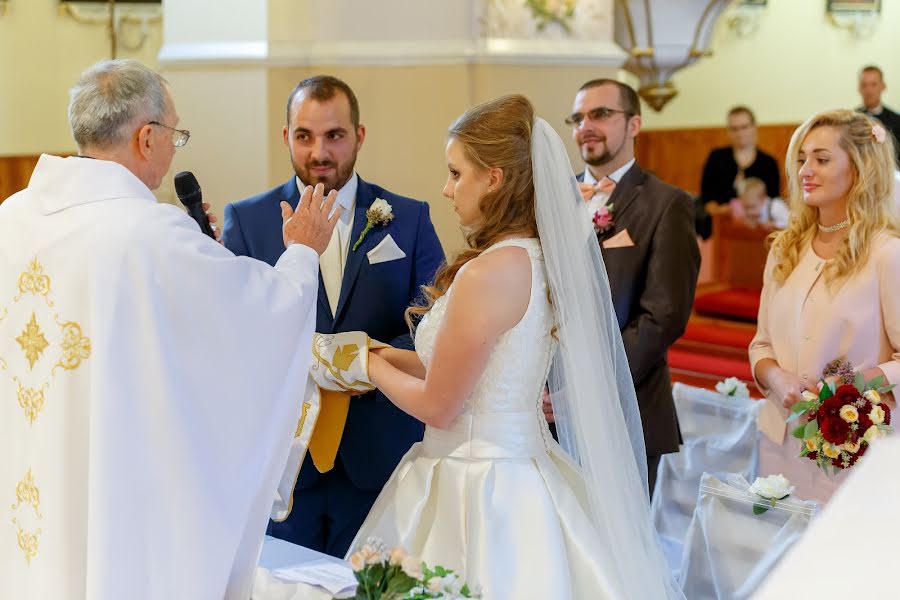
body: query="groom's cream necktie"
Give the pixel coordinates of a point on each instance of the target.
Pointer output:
(332, 261)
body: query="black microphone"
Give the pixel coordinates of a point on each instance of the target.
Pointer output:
(188, 190)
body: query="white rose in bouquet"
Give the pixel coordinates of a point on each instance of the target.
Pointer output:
(809, 396)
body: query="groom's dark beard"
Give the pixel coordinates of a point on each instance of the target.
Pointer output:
(343, 172)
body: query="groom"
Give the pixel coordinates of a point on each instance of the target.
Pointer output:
(357, 441)
(646, 232)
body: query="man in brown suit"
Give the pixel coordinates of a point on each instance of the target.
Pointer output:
(649, 248)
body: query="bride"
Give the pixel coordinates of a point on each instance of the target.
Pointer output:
(488, 492)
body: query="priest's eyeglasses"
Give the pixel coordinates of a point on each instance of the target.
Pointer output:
(601, 113)
(179, 138)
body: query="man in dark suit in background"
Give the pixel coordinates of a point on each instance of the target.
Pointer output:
(871, 86)
(366, 282)
(646, 233)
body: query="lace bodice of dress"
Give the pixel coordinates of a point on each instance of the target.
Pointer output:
(518, 365)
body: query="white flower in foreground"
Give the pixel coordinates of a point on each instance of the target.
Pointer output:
(733, 387)
(877, 414)
(452, 583)
(774, 487)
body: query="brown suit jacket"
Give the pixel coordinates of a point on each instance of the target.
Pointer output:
(652, 284)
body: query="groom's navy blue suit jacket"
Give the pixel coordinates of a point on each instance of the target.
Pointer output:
(373, 299)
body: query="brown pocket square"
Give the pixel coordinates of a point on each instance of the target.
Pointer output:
(620, 240)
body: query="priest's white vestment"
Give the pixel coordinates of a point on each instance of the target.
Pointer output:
(150, 385)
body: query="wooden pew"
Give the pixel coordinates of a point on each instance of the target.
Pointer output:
(677, 156)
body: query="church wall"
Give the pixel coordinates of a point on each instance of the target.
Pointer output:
(41, 55)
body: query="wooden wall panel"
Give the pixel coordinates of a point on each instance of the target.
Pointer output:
(15, 171)
(677, 155)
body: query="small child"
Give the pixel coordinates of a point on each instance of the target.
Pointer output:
(755, 209)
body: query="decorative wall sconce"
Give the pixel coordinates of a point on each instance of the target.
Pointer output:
(745, 18)
(859, 17)
(117, 16)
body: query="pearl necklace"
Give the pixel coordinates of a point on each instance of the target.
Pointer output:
(833, 228)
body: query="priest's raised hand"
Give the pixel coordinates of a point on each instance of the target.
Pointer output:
(313, 222)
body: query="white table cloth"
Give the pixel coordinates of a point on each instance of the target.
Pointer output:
(277, 554)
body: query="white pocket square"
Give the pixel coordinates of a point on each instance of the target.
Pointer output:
(386, 250)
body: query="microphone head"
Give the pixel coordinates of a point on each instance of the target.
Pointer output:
(187, 188)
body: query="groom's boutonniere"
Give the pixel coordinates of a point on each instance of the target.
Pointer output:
(380, 213)
(603, 218)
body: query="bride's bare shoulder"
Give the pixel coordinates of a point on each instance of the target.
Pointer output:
(501, 276)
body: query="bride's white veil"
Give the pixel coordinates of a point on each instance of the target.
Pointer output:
(590, 383)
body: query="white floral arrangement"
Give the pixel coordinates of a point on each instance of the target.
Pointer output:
(383, 574)
(771, 489)
(733, 387)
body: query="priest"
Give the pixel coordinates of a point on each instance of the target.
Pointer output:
(150, 381)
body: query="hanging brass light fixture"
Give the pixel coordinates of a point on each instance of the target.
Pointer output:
(661, 37)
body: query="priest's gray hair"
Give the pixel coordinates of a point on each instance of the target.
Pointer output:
(111, 99)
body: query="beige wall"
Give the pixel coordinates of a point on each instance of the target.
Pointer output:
(796, 64)
(41, 55)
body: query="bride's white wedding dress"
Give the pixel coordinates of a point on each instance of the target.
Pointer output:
(493, 496)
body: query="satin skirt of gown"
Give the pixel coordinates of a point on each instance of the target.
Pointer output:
(493, 496)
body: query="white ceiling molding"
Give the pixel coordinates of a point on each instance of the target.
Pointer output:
(390, 53)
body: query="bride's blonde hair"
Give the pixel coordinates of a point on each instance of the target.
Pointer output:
(493, 134)
(869, 201)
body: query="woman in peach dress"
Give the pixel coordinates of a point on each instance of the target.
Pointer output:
(830, 283)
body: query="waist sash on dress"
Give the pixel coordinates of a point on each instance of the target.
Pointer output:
(487, 436)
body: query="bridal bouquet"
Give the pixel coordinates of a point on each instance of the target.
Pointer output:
(384, 574)
(842, 420)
